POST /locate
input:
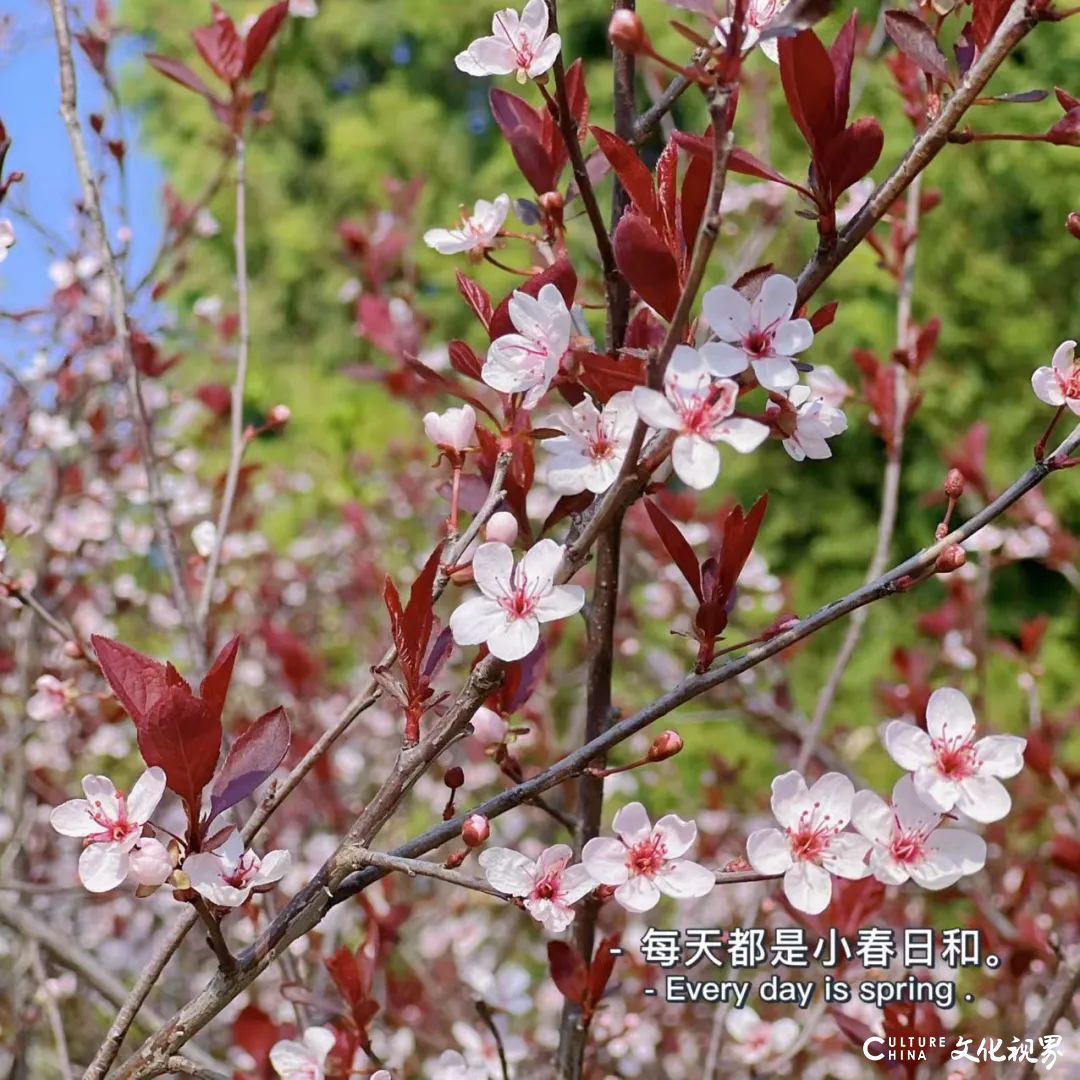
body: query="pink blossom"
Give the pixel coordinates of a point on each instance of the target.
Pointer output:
(550, 885)
(452, 430)
(515, 600)
(527, 361)
(950, 768)
(808, 424)
(827, 385)
(227, 876)
(111, 825)
(756, 1040)
(811, 844)
(502, 526)
(149, 862)
(1059, 384)
(304, 1060)
(644, 861)
(699, 410)
(589, 456)
(51, 698)
(907, 842)
(476, 233)
(519, 45)
(759, 13)
(7, 238)
(760, 334)
(488, 726)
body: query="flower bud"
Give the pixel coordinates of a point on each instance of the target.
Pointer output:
(489, 728)
(952, 558)
(278, 416)
(954, 484)
(454, 777)
(476, 830)
(453, 430)
(1072, 223)
(552, 203)
(626, 31)
(665, 745)
(502, 527)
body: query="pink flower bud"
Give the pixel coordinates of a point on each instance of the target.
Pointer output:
(278, 416)
(149, 862)
(476, 830)
(489, 728)
(502, 527)
(954, 484)
(453, 430)
(952, 558)
(665, 745)
(627, 32)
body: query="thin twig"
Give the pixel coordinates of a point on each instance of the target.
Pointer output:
(422, 868)
(1057, 1004)
(51, 1011)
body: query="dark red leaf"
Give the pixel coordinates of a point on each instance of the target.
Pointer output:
(695, 196)
(667, 196)
(560, 273)
(1065, 100)
(262, 33)
(535, 162)
(842, 54)
(917, 42)
(96, 49)
(1026, 97)
(647, 263)
(465, 361)
(511, 112)
(250, 761)
(564, 507)
(633, 174)
(179, 72)
(742, 161)
(567, 971)
(135, 679)
(808, 77)
(986, 18)
(255, 1032)
(392, 600)
(221, 46)
(419, 617)
(476, 296)
(852, 154)
(1066, 132)
(604, 377)
(215, 686)
(677, 546)
(824, 316)
(603, 964)
(447, 386)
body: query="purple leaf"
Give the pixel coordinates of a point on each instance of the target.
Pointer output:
(917, 42)
(253, 757)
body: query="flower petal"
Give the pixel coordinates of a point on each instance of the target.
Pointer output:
(724, 359)
(775, 302)
(272, 867)
(938, 792)
(911, 811)
(507, 870)
(793, 337)
(768, 851)
(638, 894)
(788, 791)
(576, 883)
(632, 824)
(1047, 386)
(676, 834)
(476, 620)
(696, 462)
(741, 432)
(73, 818)
(808, 888)
(655, 409)
(727, 312)
(541, 562)
(102, 867)
(983, 799)
(149, 862)
(514, 639)
(776, 373)
(846, 856)
(605, 859)
(835, 792)
(562, 602)
(949, 715)
(872, 817)
(1001, 755)
(145, 795)
(683, 879)
(493, 567)
(908, 745)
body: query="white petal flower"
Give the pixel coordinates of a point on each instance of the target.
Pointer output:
(227, 876)
(756, 1040)
(476, 233)
(527, 361)
(550, 885)
(699, 410)
(1059, 384)
(7, 238)
(517, 45)
(759, 13)
(644, 861)
(514, 600)
(950, 769)
(759, 334)
(204, 538)
(811, 845)
(808, 423)
(589, 456)
(452, 430)
(304, 1060)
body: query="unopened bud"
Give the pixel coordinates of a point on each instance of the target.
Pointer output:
(627, 32)
(551, 202)
(665, 745)
(952, 558)
(476, 830)
(278, 416)
(954, 484)
(502, 527)
(73, 650)
(454, 777)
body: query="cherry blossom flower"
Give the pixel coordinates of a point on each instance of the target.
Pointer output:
(519, 45)
(7, 238)
(644, 861)
(227, 876)
(549, 884)
(514, 600)
(303, 9)
(760, 334)
(807, 424)
(757, 1040)
(759, 13)
(811, 844)
(204, 538)
(52, 698)
(907, 842)
(502, 526)
(949, 767)
(476, 233)
(700, 411)
(111, 826)
(453, 430)
(1059, 384)
(528, 360)
(305, 1060)
(453, 1066)
(589, 456)
(827, 385)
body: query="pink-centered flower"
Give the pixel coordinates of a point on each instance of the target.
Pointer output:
(699, 410)
(588, 457)
(644, 860)
(52, 697)
(908, 843)
(453, 430)
(950, 768)
(227, 876)
(1059, 384)
(756, 1040)
(475, 233)
(550, 885)
(515, 600)
(811, 845)
(759, 13)
(527, 361)
(110, 824)
(760, 334)
(306, 1059)
(809, 423)
(518, 45)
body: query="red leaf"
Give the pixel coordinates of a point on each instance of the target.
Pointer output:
(179, 72)
(647, 264)
(1065, 100)
(447, 386)
(534, 161)
(135, 679)
(808, 77)
(1066, 132)
(564, 507)
(633, 174)
(917, 42)
(603, 964)
(476, 296)
(256, 1033)
(511, 112)
(567, 971)
(604, 377)
(262, 33)
(465, 361)
(852, 154)
(677, 546)
(824, 316)
(986, 18)
(560, 273)
(742, 161)
(221, 46)
(250, 761)
(842, 54)
(695, 196)
(215, 686)
(419, 617)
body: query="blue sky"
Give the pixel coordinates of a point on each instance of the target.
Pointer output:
(29, 108)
